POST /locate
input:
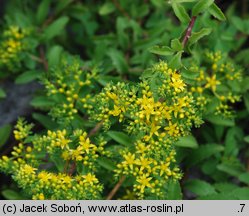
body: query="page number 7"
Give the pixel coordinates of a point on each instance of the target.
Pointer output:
(242, 207)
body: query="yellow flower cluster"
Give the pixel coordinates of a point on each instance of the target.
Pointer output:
(72, 154)
(156, 113)
(216, 82)
(66, 89)
(22, 129)
(11, 46)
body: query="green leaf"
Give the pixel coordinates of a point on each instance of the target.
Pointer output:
(118, 61)
(195, 36)
(201, 6)
(42, 102)
(203, 152)
(239, 24)
(241, 193)
(216, 12)
(2, 93)
(12, 195)
(231, 141)
(5, 132)
(188, 74)
(106, 9)
(59, 163)
(43, 11)
(176, 45)
(45, 121)
(220, 120)
(62, 5)
(199, 187)
(106, 163)
(54, 55)
(27, 77)
(231, 169)
(180, 12)
(176, 61)
(105, 79)
(244, 177)
(163, 50)
(225, 187)
(246, 139)
(187, 141)
(55, 28)
(120, 137)
(218, 196)
(246, 101)
(183, 1)
(174, 190)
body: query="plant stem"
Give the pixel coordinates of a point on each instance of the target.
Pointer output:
(119, 7)
(188, 31)
(95, 129)
(115, 189)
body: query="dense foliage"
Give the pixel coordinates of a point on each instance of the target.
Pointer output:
(137, 99)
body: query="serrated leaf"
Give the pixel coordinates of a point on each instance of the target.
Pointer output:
(2, 93)
(11, 195)
(5, 132)
(55, 28)
(195, 36)
(199, 187)
(187, 141)
(176, 61)
(27, 77)
(106, 163)
(43, 11)
(45, 121)
(215, 11)
(176, 45)
(220, 120)
(120, 137)
(106, 9)
(201, 6)
(180, 12)
(163, 50)
(118, 61)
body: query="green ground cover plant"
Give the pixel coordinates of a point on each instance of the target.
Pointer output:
(136, 99)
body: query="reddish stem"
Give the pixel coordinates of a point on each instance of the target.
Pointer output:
(189, 31)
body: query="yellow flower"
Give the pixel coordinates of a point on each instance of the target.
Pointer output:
(144, 163)
(212, 82)
(85, 144)
(177, 83)
(90, 178)
(129, 160)
(27, 169)
(144, 181)
(172, 129)
(44, 176)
